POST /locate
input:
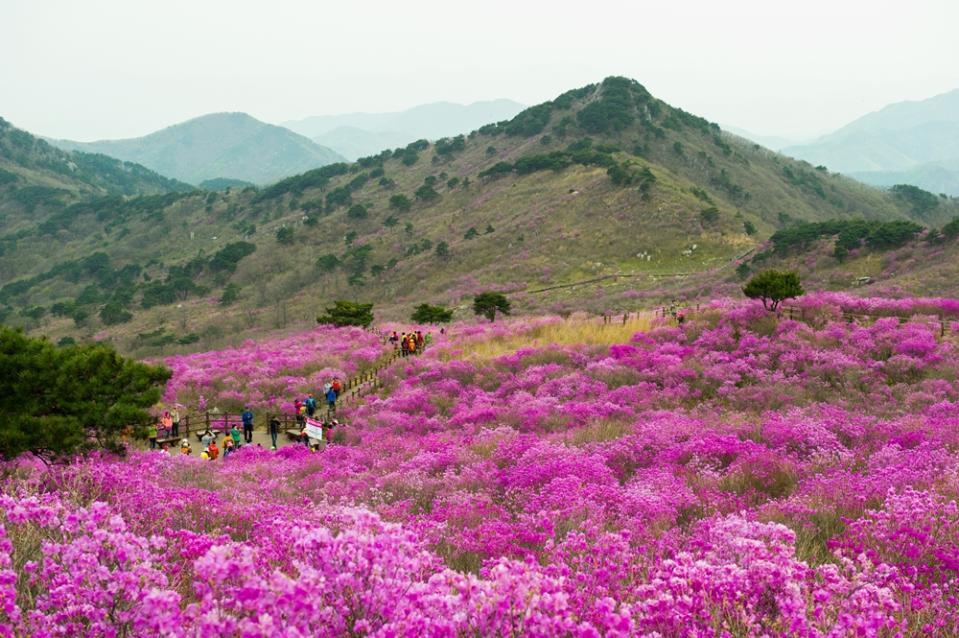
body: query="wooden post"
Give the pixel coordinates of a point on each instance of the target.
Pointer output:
(942, 326)
(207, 420)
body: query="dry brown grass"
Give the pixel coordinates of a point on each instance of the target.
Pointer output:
(575, 331)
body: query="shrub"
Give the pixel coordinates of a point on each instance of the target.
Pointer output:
(357, 211)
(709, 215)
(285, 235)
(230, 294)
(426, 193)
(113, 313)
(471, 233)
(400, 203)
(921, 201)
(348, 313)
(425, 313)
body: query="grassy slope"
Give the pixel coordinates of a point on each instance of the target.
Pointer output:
(550, 228)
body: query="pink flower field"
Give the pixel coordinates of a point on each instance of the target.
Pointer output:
(270, 374)
(736, 476)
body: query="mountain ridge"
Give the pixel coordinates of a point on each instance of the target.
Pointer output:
(915, 139)
(358, 134)
(605, 179)
(231, 145)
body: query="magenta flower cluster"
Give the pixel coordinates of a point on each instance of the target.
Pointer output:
(270, 374)
(738, 476)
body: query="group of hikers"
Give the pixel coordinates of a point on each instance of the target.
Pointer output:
(312, 432)
(410, 343)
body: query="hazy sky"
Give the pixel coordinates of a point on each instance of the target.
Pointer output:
(90, 69)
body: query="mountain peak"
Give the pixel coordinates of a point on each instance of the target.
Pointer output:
(231, 145)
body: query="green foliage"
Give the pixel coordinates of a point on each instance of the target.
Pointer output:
(426, 193)
(742, 270)
(348, 313)
(489, 229)
(390, 221)
(425, 313)
(709, 215)
(230, 294)
(59, 401)
(400, 203)
(448, 146)
(471, 233)
(555, 161)
(725, 183)
(227, 258)
(921, 201)
(499, 168)
(113, 313)
(773, 287)
(701, 195)
(530, 122)
(327, 263)
(951, 230)
(452, 182)
(285, 235)
(490, 151)
(678, 149)
(613, 111)
(487, 304)
(850, 235)
(805, 179)
(893, 234)
(340, 196)
(295, 185)
(442, 250)
(749, 227)
(357, 211)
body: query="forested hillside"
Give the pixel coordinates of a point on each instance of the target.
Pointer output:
(605, 183)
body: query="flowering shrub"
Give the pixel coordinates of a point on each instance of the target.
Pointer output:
(269, 374)
(734, 477)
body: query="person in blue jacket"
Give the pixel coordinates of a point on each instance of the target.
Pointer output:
(247, 417)
(331, 399)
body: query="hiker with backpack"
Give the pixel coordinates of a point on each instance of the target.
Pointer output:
(247, 417)
(310, 405)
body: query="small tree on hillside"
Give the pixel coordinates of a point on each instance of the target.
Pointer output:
(348, 313)
(488, 303)
(59, 401)
(426, 313)
(772, 287)
(285, 235)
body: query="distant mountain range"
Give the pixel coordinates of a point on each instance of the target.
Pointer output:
(219, 145)
(356, 135)
(914, 142)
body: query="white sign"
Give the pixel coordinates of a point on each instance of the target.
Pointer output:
(314, 429)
